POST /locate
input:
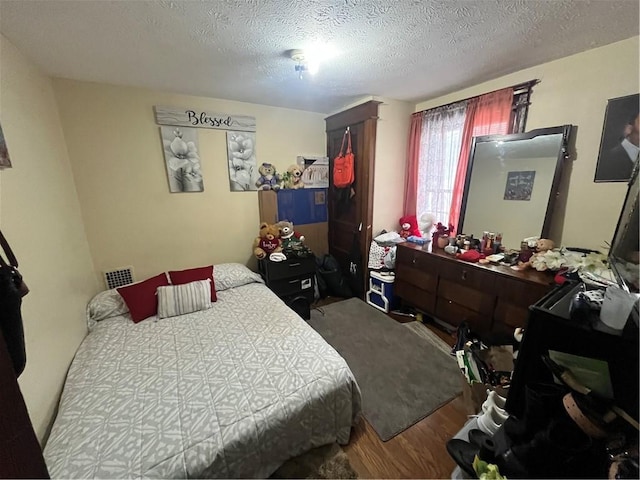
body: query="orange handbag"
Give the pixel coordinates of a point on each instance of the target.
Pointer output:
(343, 164)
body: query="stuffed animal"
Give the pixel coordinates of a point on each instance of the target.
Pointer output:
(292, 241)
(287, 232)
(409, 226)
(267, 242)
(269, 179)
(542, 245)
(293, 177)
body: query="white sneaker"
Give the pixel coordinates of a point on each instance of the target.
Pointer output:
(494, 399)
(489, 422)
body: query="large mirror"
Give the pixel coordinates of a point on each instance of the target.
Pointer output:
(511, 184)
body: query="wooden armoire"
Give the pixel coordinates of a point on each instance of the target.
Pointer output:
(351, 211)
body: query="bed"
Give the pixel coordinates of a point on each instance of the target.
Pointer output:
(231, 391)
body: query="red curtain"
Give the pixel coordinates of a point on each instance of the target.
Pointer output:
(486, 115)
(413, 158)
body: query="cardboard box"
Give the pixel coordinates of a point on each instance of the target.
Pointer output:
(315, 171)
(316, 237)
(272, 205)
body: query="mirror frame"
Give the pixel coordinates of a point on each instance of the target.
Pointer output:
(563, 153)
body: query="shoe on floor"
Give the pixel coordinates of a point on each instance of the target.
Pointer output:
(477, 436)
(493, 399)
(463, 453)
(489, 422)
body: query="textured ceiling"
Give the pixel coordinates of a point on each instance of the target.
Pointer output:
(235, 49)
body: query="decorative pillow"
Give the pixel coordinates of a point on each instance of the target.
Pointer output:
(193, 274)
(186, 298)
(104, 305)
(141, 297)
(229, 275)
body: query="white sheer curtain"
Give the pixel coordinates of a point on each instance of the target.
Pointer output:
(440, 144)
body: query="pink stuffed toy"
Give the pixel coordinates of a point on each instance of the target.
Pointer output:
(409, 226)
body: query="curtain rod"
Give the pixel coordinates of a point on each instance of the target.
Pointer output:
(517, 89)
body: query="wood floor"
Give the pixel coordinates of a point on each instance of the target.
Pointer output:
(419, 451)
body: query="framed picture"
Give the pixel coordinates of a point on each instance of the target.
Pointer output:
(519, 185)
(180, 147)
(241, 157)
(5, 161)
(619, 145)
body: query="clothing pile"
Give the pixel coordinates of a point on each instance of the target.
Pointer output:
(564, 431)
(382, 251)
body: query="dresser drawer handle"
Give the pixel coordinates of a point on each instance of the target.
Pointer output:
(414, 260)
(464, 275)
(294, 264)
(294, 281)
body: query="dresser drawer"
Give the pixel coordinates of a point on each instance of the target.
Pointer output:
(415, 296)
(291, 286)
(520, 293)
(287, 269)
(424, 279)
(418, 259)
(510, 316)
(468, 275)
(454, 314)
(476, 300)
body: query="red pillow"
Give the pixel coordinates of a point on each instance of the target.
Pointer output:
(141, 297)
(193, 275)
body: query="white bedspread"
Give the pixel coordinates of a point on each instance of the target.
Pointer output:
(232, 391)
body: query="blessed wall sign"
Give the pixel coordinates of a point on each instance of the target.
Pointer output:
(187, 117)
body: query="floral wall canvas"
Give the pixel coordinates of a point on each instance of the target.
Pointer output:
(180, 146)
(241, 156)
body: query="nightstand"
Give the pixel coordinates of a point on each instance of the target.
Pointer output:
(293, 280)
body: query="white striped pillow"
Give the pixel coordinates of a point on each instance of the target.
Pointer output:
(186, 298)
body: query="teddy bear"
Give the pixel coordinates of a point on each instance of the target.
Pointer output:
(293, 177)
(269, 179)
(543, 245)
(287, 231)
(409, 226)
(267, 242)
(292, 241)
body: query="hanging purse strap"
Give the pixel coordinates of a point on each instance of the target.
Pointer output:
(13, 261)
(347, 135)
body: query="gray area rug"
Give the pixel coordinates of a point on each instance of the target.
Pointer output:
(328, 461)
(403, 377)
(422, 330)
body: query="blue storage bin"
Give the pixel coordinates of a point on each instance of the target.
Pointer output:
(303, 206)
(380, 293)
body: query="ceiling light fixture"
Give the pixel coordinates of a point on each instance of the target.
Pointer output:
(302, 64)
(308, 60)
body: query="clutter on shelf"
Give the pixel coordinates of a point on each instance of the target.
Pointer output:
(440, 237)
(382, 251)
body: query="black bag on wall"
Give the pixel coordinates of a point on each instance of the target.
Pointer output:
(12, 289)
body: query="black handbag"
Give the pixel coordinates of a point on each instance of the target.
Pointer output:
(12, 289)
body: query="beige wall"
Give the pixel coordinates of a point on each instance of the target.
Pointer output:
(391, 154)
(130, 216)
(40, 217)
(574, 90)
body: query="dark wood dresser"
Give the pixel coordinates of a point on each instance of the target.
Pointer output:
(492, 299)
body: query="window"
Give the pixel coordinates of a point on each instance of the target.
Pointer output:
(446, 133)
(440, 143)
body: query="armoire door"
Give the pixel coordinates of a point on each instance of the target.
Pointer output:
(351, 210)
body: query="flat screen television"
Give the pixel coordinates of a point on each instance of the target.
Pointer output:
(624, 254)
